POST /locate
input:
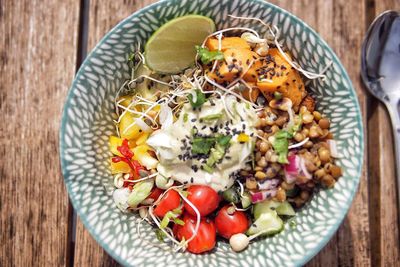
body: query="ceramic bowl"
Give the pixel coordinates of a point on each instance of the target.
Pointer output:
(87, 122)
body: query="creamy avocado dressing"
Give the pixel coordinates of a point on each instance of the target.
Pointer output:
(174, 144)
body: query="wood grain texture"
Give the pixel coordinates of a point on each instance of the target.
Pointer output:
(103, 16)
(38, 44)
(342, 24)
(384, 214)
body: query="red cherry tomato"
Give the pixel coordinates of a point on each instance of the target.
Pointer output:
(230, 221)
(205, 237)
(204, 198)
(171, 200)
(155, 193)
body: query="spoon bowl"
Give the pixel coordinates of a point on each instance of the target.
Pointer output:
(380, 71)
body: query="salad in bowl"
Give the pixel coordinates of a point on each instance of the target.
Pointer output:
(217, 135)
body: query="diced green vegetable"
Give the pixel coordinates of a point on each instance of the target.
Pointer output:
(282, 208)
(246, 200)
(231, 195)
(281, 145)
(223, 140)
(171, 215)
(269, 223)
(212, 117)
(206, 56)
(202, 145)
(140, 192)
(160, 235)
(200, 99)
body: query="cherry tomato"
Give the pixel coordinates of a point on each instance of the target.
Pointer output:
(230, 221)
(155, 193)
(204, 198)
(171, 200)
(205, 237)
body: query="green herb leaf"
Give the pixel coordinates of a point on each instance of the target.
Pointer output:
(179, 221)
(277, 95)
(206, 56)
(160, 235)
(224, 140)
(202, 145)
(185, 117)
(212, 117)
(281, 145)
(200, 99)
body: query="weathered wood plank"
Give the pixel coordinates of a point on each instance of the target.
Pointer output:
(38, 44)
(103, 15)
(383, 208)
(342, 24)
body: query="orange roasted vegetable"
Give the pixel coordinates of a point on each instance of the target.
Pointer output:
(236, 61)
(274, 72)
(227, 43)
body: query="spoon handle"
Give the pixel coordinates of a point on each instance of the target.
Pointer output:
(393, 108)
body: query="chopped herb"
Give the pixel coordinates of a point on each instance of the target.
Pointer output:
(160, 235)
(200, 99)
(202, 145)
(171, 215)
(212, 117)
(206, 56)
(185, 117)
(223, 140)
(281, 145)
(277, 95)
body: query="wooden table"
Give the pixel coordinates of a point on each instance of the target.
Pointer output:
(43, 44)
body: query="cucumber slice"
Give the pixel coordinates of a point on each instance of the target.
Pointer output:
(269, 223)
(285, 209)
(246, 200)
(282, 208)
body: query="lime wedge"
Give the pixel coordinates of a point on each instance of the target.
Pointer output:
(171, 48)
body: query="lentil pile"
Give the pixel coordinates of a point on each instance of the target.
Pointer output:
(314, 137)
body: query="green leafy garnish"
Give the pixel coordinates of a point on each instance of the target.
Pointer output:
(281, 145)
(200, 99)
(212, 117)
(160, 235)
(277, 95)
(223, 140)
(206, 56)
(202, 145)
(185, 117)
(171, 216)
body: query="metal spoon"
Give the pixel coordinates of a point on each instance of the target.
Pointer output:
(380, 71)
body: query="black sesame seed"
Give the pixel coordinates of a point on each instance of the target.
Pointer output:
(193, 120)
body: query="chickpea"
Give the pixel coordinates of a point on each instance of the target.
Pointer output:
(319, 174)
(260, 175)
(308, 144)
(264, 146)
(328, 181)
(303, 109)
(239, 242)
(308, 118)
(314, 132)
(324, 154)
(317, 115)
(280, 195)
(262, 162)
(336, 171)
(298, 137)
(304, 195)
(251, 183)
(310, 166)
(324, 123)
(305, 132)
(281, 121)
(260, 132)
(258, 168)
(270, 173)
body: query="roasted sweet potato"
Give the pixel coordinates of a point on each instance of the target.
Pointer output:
(227, 43)
(236, 60)
(274, 72)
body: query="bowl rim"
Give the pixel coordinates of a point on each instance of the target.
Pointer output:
(77, 207)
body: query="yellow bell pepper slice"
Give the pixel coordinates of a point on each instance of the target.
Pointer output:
(120, 167)
(141, 154)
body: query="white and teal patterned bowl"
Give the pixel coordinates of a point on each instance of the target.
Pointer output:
(87, 123)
